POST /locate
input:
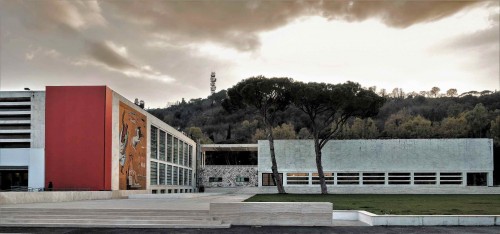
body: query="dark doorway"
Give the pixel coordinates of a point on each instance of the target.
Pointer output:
(13, 179)
(477, 179)
(269, 180)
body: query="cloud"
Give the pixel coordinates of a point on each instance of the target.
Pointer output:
(109, 54)
(237, 23)
(113, 57)
(69, 16)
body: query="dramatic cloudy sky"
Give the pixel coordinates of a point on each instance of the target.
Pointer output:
(162, 51)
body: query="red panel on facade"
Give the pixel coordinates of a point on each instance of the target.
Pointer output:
(76, 155)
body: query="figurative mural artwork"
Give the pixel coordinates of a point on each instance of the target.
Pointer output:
(132, 161)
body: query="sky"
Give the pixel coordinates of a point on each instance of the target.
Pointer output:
(162, 51)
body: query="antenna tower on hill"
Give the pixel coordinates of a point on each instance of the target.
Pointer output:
(212, 83)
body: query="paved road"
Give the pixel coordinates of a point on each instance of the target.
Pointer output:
(267, 230)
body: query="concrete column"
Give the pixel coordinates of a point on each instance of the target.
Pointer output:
(490, 178)
(259, 179)
(386, 178)
(334, 178)
(438, 178)
(285, 181)
(464, 178)
(360, 178)
(412, 178)
(310, 178)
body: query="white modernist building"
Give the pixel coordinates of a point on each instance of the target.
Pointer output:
(453, 162)
(22, 140)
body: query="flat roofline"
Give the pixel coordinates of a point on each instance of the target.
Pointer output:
(229, 147)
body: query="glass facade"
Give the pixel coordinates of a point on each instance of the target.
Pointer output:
(162, 174)
(176, 150)
(169, 148)
(154, 173)
(154, 142)
(162, 145)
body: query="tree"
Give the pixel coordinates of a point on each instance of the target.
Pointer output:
(435, 91)
(477, 119)
(451, 93)
(453, 127)
(196, 134)
(268, 96)
(328, 107)
(495, 130)
(304, 134)
(285, 131)
(416, 127)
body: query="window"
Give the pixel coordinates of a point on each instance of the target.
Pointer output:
(154, 142)
(328, 178)
(154, 173)
(373, 178)
(242, 179)
(169, 174)
(347, 178)
(186, 177)
(269, 180)
(176, 150)
(214, 179)
(169, 148)
(154, 191)
(190, 161)
(181, 153)
(162, 173)
(450, 178)
(190, 177)
(162, 191)
(424, 178)
(176, 174)
(186, 154)
(181, 176)
(297, 178)
(477, 179)
(399, 178)
(162, 145)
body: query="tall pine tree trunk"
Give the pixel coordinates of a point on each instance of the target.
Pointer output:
(319, 165)
(274, 167)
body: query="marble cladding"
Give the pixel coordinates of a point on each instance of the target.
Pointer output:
(228, 173)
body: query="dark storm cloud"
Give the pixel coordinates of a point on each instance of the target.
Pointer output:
(237, 23)
(104, 53)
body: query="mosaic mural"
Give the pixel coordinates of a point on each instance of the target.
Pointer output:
(132, 161)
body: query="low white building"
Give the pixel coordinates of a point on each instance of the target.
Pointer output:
(22, 139)
(450, 162)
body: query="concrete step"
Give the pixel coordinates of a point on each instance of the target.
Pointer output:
(100, 216)
(112, 218)
(196, 213)
(106, 221)
(130, 225)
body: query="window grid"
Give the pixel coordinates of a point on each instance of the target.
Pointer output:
(329, 178)
(154, 173)
(162, 145)
(169, 174)
(154, 142)
(176, 150)
(162, 174)
(176, 174)
(169, 148)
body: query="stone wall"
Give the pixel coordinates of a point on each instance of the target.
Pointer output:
(228, 174)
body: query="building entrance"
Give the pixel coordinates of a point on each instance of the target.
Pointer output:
(13, 179)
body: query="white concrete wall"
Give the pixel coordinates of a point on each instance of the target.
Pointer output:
(117, 98)
(34, 159)
(38, 119)
(394, 155)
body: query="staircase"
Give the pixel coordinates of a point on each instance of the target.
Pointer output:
(107, 218)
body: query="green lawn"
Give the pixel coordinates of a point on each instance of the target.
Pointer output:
(419, 204)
